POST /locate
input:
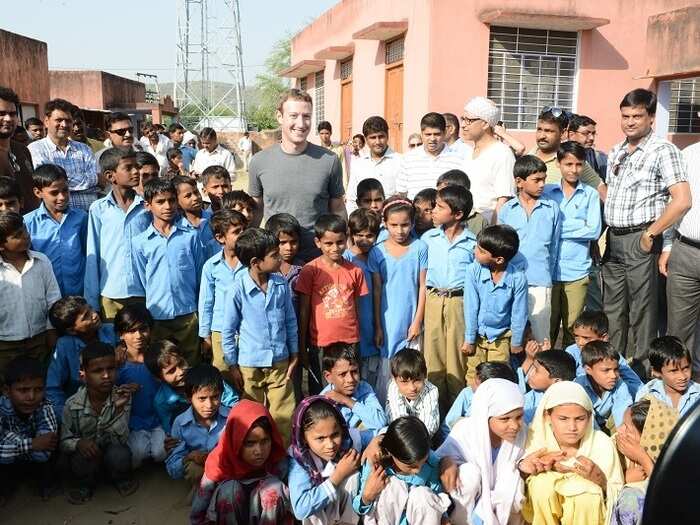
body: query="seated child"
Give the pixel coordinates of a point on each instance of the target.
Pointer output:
(324, 463)
(240, 201)
(609, 394)
(356, 399)
(77, 325)
(671, 364)
(198, 428)
(215, 181)
(404, 486)
(194, 217)
(476, 222)
(95, 428)
(423, 203)
(241, 482)
(28, 428)
(549, 367)
(522, 362)
(572, 471)
(133, 325)
(410, 393)
(592, 325)
(370, 195)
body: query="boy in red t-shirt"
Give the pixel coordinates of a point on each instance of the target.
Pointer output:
(329, 289)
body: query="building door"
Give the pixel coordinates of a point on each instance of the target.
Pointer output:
(346, 111)
(393, 106)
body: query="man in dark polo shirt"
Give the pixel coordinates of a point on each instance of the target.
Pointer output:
(295, 176)
(15, 159)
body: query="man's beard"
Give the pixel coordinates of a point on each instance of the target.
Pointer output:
(6, 135)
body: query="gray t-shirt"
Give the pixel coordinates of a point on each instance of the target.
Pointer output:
(301, 185)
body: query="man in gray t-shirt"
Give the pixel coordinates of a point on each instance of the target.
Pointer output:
(296, 177)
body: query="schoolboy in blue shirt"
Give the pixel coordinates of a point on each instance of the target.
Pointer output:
(580, 225)
(193, 215)
(537, 220)
(549, 367)
(58, 230)
(495, 300)
(198, 428)
(169, 260)
(259, 311)
(77, 325)
(114, 222)
(602, 383)
(218, 274)
(450, 249)
(671, 366)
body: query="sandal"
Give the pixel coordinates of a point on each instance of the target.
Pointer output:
(79, 496)
(126, 487)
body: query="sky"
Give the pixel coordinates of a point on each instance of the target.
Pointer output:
(141, 35)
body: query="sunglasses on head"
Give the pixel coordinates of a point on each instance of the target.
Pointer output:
(415, 144)
(122, 131)
(556, 112)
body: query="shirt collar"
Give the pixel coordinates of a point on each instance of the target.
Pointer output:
(515, 201)
(188, 417)
(250, 286)
(485, 275)
(388, 154)
(152, 232)
(138, 199)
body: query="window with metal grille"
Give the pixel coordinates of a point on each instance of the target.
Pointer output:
(346, 69)
(320, 103)
(303, 84)
(394, 51)
(530, 69)
(684, 107)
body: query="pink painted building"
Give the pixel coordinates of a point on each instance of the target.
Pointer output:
(403, 58)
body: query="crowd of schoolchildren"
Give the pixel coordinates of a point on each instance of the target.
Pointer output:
(400, 377)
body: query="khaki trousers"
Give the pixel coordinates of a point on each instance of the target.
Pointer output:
(184, 329)
(568, 300)
(496, 350)
(110, 307)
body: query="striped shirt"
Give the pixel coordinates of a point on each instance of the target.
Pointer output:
(17, 432)
(638, 182)
(420, 170)
(77, 159)
(425, 407)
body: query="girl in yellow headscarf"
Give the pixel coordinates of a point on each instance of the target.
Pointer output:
(573, 472)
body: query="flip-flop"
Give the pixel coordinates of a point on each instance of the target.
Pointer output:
(79, 496)
(126, 487)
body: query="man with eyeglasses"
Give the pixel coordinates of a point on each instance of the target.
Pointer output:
(414, 141)
(120, 129)
(582, 129)
(644, 172)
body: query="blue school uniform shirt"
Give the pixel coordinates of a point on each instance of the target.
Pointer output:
(580, 224)
(628, 375)
(400, 281)
(63, 375)
(532, 401)
(169, 269)
(367, 346)
(656, 388)
(210, 246)
(109, 264)
(367, 411)
(193, 436)
(461, 407)
(188, 155)
(168, 404)
(63, 243)
(539, 237)
(259, 328)
(611, 403)
(491, 309)
(217, 279)
(143, 414)
(447, 261)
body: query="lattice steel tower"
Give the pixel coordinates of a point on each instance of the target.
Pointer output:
(209, 79)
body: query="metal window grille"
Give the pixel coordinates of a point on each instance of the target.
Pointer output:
(320, 103)
(530, 69)
(346, 69)
(394, 51)
(303, 83)
(684, 107)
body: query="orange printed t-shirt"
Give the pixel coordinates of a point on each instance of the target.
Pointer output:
(333, 318)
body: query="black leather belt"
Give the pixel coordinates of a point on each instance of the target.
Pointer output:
(629, 229)
(689, 242)
(446, 292)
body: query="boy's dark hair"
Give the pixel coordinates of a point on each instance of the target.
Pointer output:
(409, 364)
(160, 354)
(10, 223)
(501, 240)
(360, 137)
(639, 412)
(132, 317)
(640, 97)
(560, 364)
(667, 350)
(571, 147)
(32, 121)
(157, 186)
(181, 179)
(231, 198)
(22, 368)
(172, 153)
(222, 220)
(207, 133)
(433, 120)
(64, 313)
(143, 158)
(451, 118)
(458, 198)
(46, 174)
(58, 104)
(215, 172)
(109, 160)
(596, 351)
(367, 185)
(454, 178)
(495, 369)
(8, 95)
(283, 223)
(406, 439)
(95, 350)
(337, 352)
(255, 243)
(580, 121)
(202, 376)
(528, 165)
(115, 117)
(172, 128)
(426, 195)
(596, 320)
(561, 120)
(375, 124)
(324, 125)
(329, 222)
(9, 187)
(363, 219)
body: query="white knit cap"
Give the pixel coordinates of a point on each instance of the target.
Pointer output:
(484, 109)
(188, 136)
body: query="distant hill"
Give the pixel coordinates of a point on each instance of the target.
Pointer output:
(220, 89)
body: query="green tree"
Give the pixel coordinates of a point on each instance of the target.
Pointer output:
(269, 86)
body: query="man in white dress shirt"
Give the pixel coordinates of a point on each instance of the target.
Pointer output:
(156, 144)
(213, 154)
(245, 145)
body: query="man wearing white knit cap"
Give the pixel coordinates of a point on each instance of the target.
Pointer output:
(490, 165)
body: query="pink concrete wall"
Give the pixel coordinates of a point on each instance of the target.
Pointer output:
(82, 88)
(24, 68)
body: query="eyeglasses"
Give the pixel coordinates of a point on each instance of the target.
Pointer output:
(468, 121)
(123, 131)
(415, 144)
